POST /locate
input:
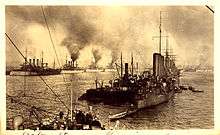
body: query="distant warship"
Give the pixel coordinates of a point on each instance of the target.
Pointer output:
(72, 67)
(34, 68)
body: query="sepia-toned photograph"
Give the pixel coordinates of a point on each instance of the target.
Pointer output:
(109, 67)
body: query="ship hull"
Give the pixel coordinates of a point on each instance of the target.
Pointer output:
(109, 70)
(122, 97)
(33, 73)
(153, 100)
(108, 96)
(71, 71)
(94, 70)
(23, 73)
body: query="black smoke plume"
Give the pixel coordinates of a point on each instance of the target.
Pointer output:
(80, 31)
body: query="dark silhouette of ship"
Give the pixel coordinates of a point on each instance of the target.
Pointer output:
(34, 67)
(72, 67)
(142, 90)
(148, 89)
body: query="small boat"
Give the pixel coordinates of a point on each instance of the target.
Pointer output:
(122, 114)
(194, 90)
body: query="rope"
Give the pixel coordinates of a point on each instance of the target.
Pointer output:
(51, 39)
(27, 105)
(39, 75)
(50, 36)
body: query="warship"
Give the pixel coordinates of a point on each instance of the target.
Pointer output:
(72, 67)
(34, 67)
(93, 67)
(142, 90)
(74, 119)
(147, 89)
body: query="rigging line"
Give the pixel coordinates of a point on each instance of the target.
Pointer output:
(51, 39)
(39, 75)
(50, 35)
(70, 96)
(14, 45)
(17, 101)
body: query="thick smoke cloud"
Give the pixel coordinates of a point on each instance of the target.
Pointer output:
(80, 32)
(126, 29)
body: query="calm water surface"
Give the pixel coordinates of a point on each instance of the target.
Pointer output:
(186, 110)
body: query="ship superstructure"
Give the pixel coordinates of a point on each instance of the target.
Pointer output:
(35, 67)
(71, 66)
(139, 91)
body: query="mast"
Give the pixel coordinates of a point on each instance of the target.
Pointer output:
(160, 34)
(42, 59)
(54, 64)
(66, 59)
(121, 66)
(25, 66)
(132, 65)
(137, 68)
(167, 59)
(167, 41)
(25, 56)
(71, 104)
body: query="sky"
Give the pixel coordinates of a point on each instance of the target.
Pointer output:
(98, 34)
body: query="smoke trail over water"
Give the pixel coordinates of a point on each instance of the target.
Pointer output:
(116, 29)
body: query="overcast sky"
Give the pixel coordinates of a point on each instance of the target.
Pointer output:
(89, 33)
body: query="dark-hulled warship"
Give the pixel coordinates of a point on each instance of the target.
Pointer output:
(150, 88)
(34, 67)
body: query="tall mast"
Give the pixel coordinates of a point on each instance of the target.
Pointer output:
(121, 66)
(25, 66)
(66, 60)
(132, 65)
(167, 41)
(160, 34)
(42, 59)
(137, 68)
(54, 64)
(25, 56)
(71, 104)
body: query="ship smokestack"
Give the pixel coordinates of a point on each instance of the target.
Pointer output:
(25, 60)
(158, 65)
(126, 69)
(34, 62)
(37, 62)
(30, 61)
